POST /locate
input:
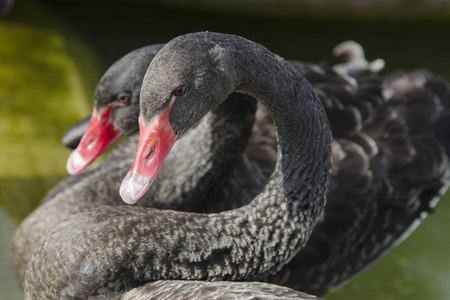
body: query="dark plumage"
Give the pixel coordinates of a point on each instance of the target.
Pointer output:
(72, 136)
(206, 290)
(388, 173)
(370, 202)
(99, 186)
(241, 244)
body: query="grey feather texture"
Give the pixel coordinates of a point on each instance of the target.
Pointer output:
(205, 290)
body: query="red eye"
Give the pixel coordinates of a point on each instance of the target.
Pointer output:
(123, 98)
(180, 91)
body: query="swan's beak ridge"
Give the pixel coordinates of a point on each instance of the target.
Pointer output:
(155, 142)
(99, 136)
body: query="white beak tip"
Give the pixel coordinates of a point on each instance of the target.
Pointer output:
(133, 187)
(75, 163)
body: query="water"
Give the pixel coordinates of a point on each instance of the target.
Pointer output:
(417, 269)
(9, 286)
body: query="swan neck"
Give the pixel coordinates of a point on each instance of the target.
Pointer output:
(304, 139)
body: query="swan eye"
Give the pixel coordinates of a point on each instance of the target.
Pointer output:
(180, 91)
(123, 98)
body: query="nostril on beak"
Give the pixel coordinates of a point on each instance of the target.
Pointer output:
(91, 143)
(149, 156)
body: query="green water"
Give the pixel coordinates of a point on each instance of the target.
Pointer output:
(52, 55)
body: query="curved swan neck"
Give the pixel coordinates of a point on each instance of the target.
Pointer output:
(302, 127)
(293, 200)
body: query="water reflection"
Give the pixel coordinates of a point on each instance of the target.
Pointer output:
(417, 269)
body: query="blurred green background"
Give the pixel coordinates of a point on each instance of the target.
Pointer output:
(52, 54)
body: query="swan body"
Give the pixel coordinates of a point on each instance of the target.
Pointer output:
(206, 290)
(390, 167)
(99, 186)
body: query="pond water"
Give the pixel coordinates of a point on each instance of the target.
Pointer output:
(418, 269)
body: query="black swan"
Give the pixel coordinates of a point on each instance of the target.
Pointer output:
(386, 176)
(328, 257)
(423, 152)
(142, 244)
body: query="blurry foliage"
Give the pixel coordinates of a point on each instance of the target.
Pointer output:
(42, 91)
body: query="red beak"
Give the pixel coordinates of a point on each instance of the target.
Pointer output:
(155, 142)
(99, 136)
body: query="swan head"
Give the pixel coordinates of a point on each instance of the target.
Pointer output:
(188, 77)
(116, 107)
